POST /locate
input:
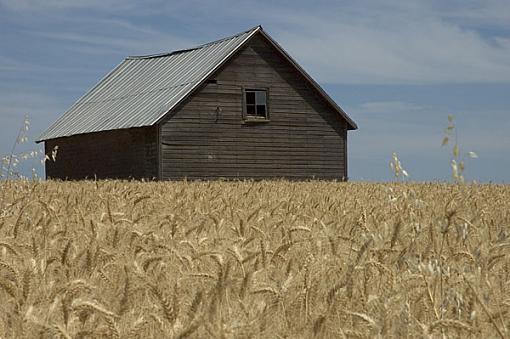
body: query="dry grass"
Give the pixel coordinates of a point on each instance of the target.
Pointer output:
(245, 259)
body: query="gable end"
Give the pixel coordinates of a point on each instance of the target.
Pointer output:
(351, 125)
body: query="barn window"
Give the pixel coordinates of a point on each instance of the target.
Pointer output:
(255, 104)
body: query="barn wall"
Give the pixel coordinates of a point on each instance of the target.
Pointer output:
(305, 137)
(119, 154)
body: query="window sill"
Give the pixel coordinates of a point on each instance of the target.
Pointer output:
(255, 120)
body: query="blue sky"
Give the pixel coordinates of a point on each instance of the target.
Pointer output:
(397, 67)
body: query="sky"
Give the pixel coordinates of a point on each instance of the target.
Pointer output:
(397, 67)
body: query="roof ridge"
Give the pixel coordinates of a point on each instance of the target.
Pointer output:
(166, 54)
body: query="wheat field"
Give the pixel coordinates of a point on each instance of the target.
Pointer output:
(269, 259)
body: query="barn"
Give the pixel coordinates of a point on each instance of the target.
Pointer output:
(239, 107)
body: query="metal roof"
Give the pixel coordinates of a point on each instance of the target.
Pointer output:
(141, 90)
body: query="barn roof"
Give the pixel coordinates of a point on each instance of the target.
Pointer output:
(141, 90)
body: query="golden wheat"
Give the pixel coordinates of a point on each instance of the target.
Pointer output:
(253, 259)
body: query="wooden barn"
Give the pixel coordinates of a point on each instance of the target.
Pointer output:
(239, 107)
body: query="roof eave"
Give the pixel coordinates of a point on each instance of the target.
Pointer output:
(42, 136)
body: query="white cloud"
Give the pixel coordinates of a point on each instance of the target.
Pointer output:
(398, 50)
(15, 66)
(385, 107)
(113, 36)
(8, 64)
(390, 42)
(484, 13)
(41, 5)
(101, 44)
(410, 129)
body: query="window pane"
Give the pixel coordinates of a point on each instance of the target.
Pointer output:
(256, 102)
(261, 110)
(260, 97)
(250, 109)
(250, 98)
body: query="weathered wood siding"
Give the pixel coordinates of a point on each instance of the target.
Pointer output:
(118, 154)
(305, 137)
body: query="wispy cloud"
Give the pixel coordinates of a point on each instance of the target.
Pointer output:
(491, 13)
(103, 44)
(11, 65)
(411, 128)
(102, 36)
(15, 66)
(385, 107)
(409, 50)
(37, 5)
(390, 42)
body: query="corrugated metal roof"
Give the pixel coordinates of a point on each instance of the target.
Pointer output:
(141, 90)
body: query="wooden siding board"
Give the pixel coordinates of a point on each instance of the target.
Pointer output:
(305, 137)
(119, 154)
